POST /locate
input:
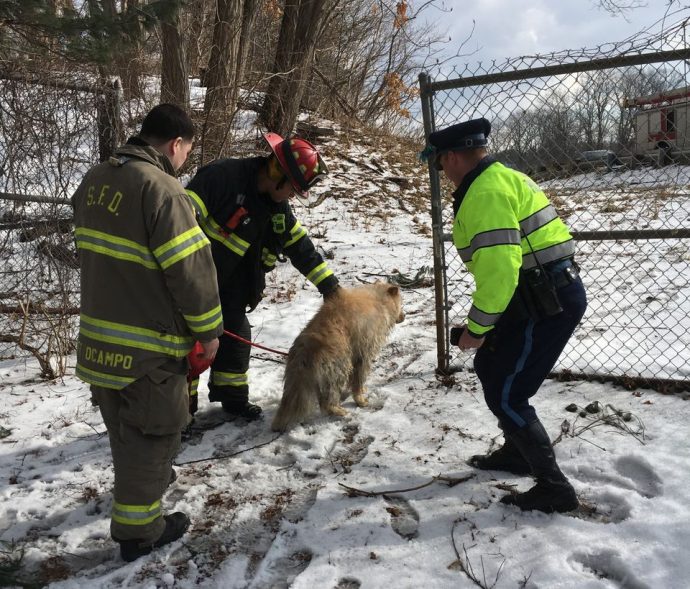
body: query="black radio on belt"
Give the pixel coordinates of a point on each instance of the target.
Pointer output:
(543, 291)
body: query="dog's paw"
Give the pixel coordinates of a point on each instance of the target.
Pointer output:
(360, 400)
(336, 410)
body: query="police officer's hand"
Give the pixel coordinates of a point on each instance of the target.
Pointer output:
(210, 349)
(468, 341)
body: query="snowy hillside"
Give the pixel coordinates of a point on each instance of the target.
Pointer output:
(382, 498)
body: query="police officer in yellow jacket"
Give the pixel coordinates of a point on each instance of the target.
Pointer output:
(243, 207)
(527, 301)
(148, 291)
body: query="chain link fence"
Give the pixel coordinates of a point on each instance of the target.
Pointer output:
(53, 127)
(606, 133)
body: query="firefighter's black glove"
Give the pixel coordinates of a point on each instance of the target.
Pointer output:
(332, 292)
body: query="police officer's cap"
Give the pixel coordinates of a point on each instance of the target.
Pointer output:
(467, 135)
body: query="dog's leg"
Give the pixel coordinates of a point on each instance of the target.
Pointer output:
(360, 370)
(336, 410)
(330, 404)
(359, 398)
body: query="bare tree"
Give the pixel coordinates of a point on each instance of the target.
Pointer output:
(174, 78)
(299, 30)
(594, 108)
(368, 59)
(621, 7)
(231, 33)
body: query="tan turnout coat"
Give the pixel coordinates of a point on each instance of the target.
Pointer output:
(148, 283)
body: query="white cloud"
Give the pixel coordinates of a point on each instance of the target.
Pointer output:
(508, 28)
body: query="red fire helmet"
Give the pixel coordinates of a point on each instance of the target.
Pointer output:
(299, 159)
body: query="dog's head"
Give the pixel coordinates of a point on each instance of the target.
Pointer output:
(394, 293)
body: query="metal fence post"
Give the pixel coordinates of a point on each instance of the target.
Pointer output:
(437, 233)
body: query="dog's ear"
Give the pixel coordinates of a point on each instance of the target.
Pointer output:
(394, 291)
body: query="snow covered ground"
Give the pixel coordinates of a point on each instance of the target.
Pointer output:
(271, 512)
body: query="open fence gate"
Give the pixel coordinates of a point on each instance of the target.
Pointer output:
(607, 136)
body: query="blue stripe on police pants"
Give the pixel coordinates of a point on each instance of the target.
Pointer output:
(519, 366)
(517, 356)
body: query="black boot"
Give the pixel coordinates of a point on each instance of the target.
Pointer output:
(507, 458)
(242, 408)
(552, 492)
(235, 401)
(176, 525)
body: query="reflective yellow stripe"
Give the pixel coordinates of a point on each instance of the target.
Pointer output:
(194, 387)
(134, 337)
(205, 322)
(268, 258)
(213, 230)
(180, 247)
(319, 274)
(229, 379)
(101, 379)
(297, 232)
(232, 242)
(198, 203)
(136, 515)
(114, 246)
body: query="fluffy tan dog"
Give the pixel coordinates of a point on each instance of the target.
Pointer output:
(332, 356)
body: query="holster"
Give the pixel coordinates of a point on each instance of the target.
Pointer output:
(536, 297)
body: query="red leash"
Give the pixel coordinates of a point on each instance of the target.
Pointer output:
(246, 341)
(199, 364)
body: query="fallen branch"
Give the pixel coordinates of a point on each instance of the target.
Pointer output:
(609, 416)
(222, 456)
(451, 481)
(466, 566)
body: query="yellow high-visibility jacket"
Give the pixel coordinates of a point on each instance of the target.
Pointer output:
(502, 220)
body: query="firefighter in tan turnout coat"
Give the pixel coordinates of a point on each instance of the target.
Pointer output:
(148, 291)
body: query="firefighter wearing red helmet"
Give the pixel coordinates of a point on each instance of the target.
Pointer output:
(299, 161)
(243, 207)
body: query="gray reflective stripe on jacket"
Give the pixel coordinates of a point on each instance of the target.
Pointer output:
(549, 254)
(489, 239)
(538, 220)
(481, 318)
(509, 236)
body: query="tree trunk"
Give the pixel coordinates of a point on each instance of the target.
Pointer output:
(299, 30)
(109, 120)
(221, 84)
(127, 63)
(249, 12)
(174, 79)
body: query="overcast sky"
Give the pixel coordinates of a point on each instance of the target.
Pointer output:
(510, 28)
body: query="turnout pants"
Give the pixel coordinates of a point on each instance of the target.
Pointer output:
(229, 381)
(144, 421)
(517, 356)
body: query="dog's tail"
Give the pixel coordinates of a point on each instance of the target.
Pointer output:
(300, 385)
